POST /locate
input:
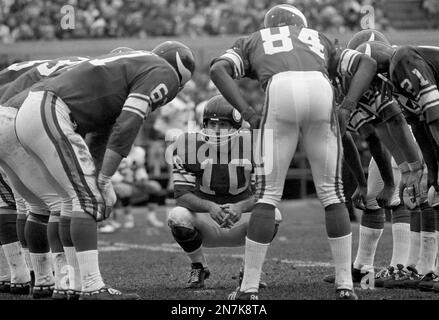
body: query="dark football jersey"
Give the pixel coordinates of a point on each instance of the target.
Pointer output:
(36, 73)
(17, 69)
(377, 103)
(414, 71)
(220, 174)
(119, 88)
(274, 50)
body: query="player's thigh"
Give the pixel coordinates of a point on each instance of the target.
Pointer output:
(276, 141)
(215, 236)
(49, 136)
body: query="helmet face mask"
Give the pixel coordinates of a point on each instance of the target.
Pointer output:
(284, 15)
(221, 122)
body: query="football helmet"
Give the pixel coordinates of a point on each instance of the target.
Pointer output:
(381, 52)
(121, 49)
(284, 15)
(218, 108)
(366, 36)
(180, 57)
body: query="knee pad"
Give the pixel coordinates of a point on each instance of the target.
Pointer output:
(189, 239)
(400, 214)
(180, 217)
(373, 219)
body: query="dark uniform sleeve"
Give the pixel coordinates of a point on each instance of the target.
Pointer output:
(237, 56)
(184, 180)
(148, 92)
(414, 78)
(347, 62)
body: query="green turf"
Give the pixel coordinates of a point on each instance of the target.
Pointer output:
(147, 261)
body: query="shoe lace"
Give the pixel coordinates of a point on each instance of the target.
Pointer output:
(195, 275)
(385, 272)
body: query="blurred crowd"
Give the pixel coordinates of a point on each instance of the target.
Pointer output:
(41, 19)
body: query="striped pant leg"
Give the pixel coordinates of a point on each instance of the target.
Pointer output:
(276, 141)
(45, 129)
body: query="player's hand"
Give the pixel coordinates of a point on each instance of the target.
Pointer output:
(108, 194)
(217, 213)
(384, 198)
(415, 177)
(433, 197)
(252, 117)
(233, 210)
(359, 197)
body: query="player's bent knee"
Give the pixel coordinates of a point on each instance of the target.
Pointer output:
(180, 217)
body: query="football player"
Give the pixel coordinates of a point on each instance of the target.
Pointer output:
(213, 189)
(113, 92)
(408, 69)
(34, 231)
(290, 61)
(386, 124)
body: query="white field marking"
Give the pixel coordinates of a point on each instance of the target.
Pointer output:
(105, 246)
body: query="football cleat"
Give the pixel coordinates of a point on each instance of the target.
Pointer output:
(262, 284)
(74, 295)
(239, 295)
(436, 285)
(180, 57)
(108, 294)
(197, 276)
(42, 292)
(345, 294)
(384, 275)
(357, 276)
(20, 288)
(284, 15)
(413, 279)
(5, 286)
(59, 294)
(427, 282)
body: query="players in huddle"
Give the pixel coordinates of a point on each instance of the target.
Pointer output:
(55, 185)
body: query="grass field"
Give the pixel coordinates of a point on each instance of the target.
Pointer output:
(147, 261)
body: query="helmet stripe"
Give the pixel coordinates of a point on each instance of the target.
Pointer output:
(185, 73)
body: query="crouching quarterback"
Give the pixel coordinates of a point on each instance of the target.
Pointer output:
(212, 172)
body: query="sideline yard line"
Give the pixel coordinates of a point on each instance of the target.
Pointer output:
(105, 246)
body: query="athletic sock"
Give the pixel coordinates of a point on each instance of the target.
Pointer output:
(253, 260)
(341, 253)
(197, 256)
(5, 271)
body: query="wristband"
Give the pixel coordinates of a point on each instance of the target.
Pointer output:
(415, 166)
(404, 167)
(103, 179)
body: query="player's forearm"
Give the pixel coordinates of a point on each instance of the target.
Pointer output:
(427, 147)
(399, 131)
(384, 136)
(247, 204)
(221, 75)
(362, 79)
(193, 203)
(97, 144)
(382, 158)
(110, 163)
(352, 159)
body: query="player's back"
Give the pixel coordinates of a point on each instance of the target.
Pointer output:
(96, 90)
(413, 55)
(274, 50)
(17, 69)
(36, 73)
